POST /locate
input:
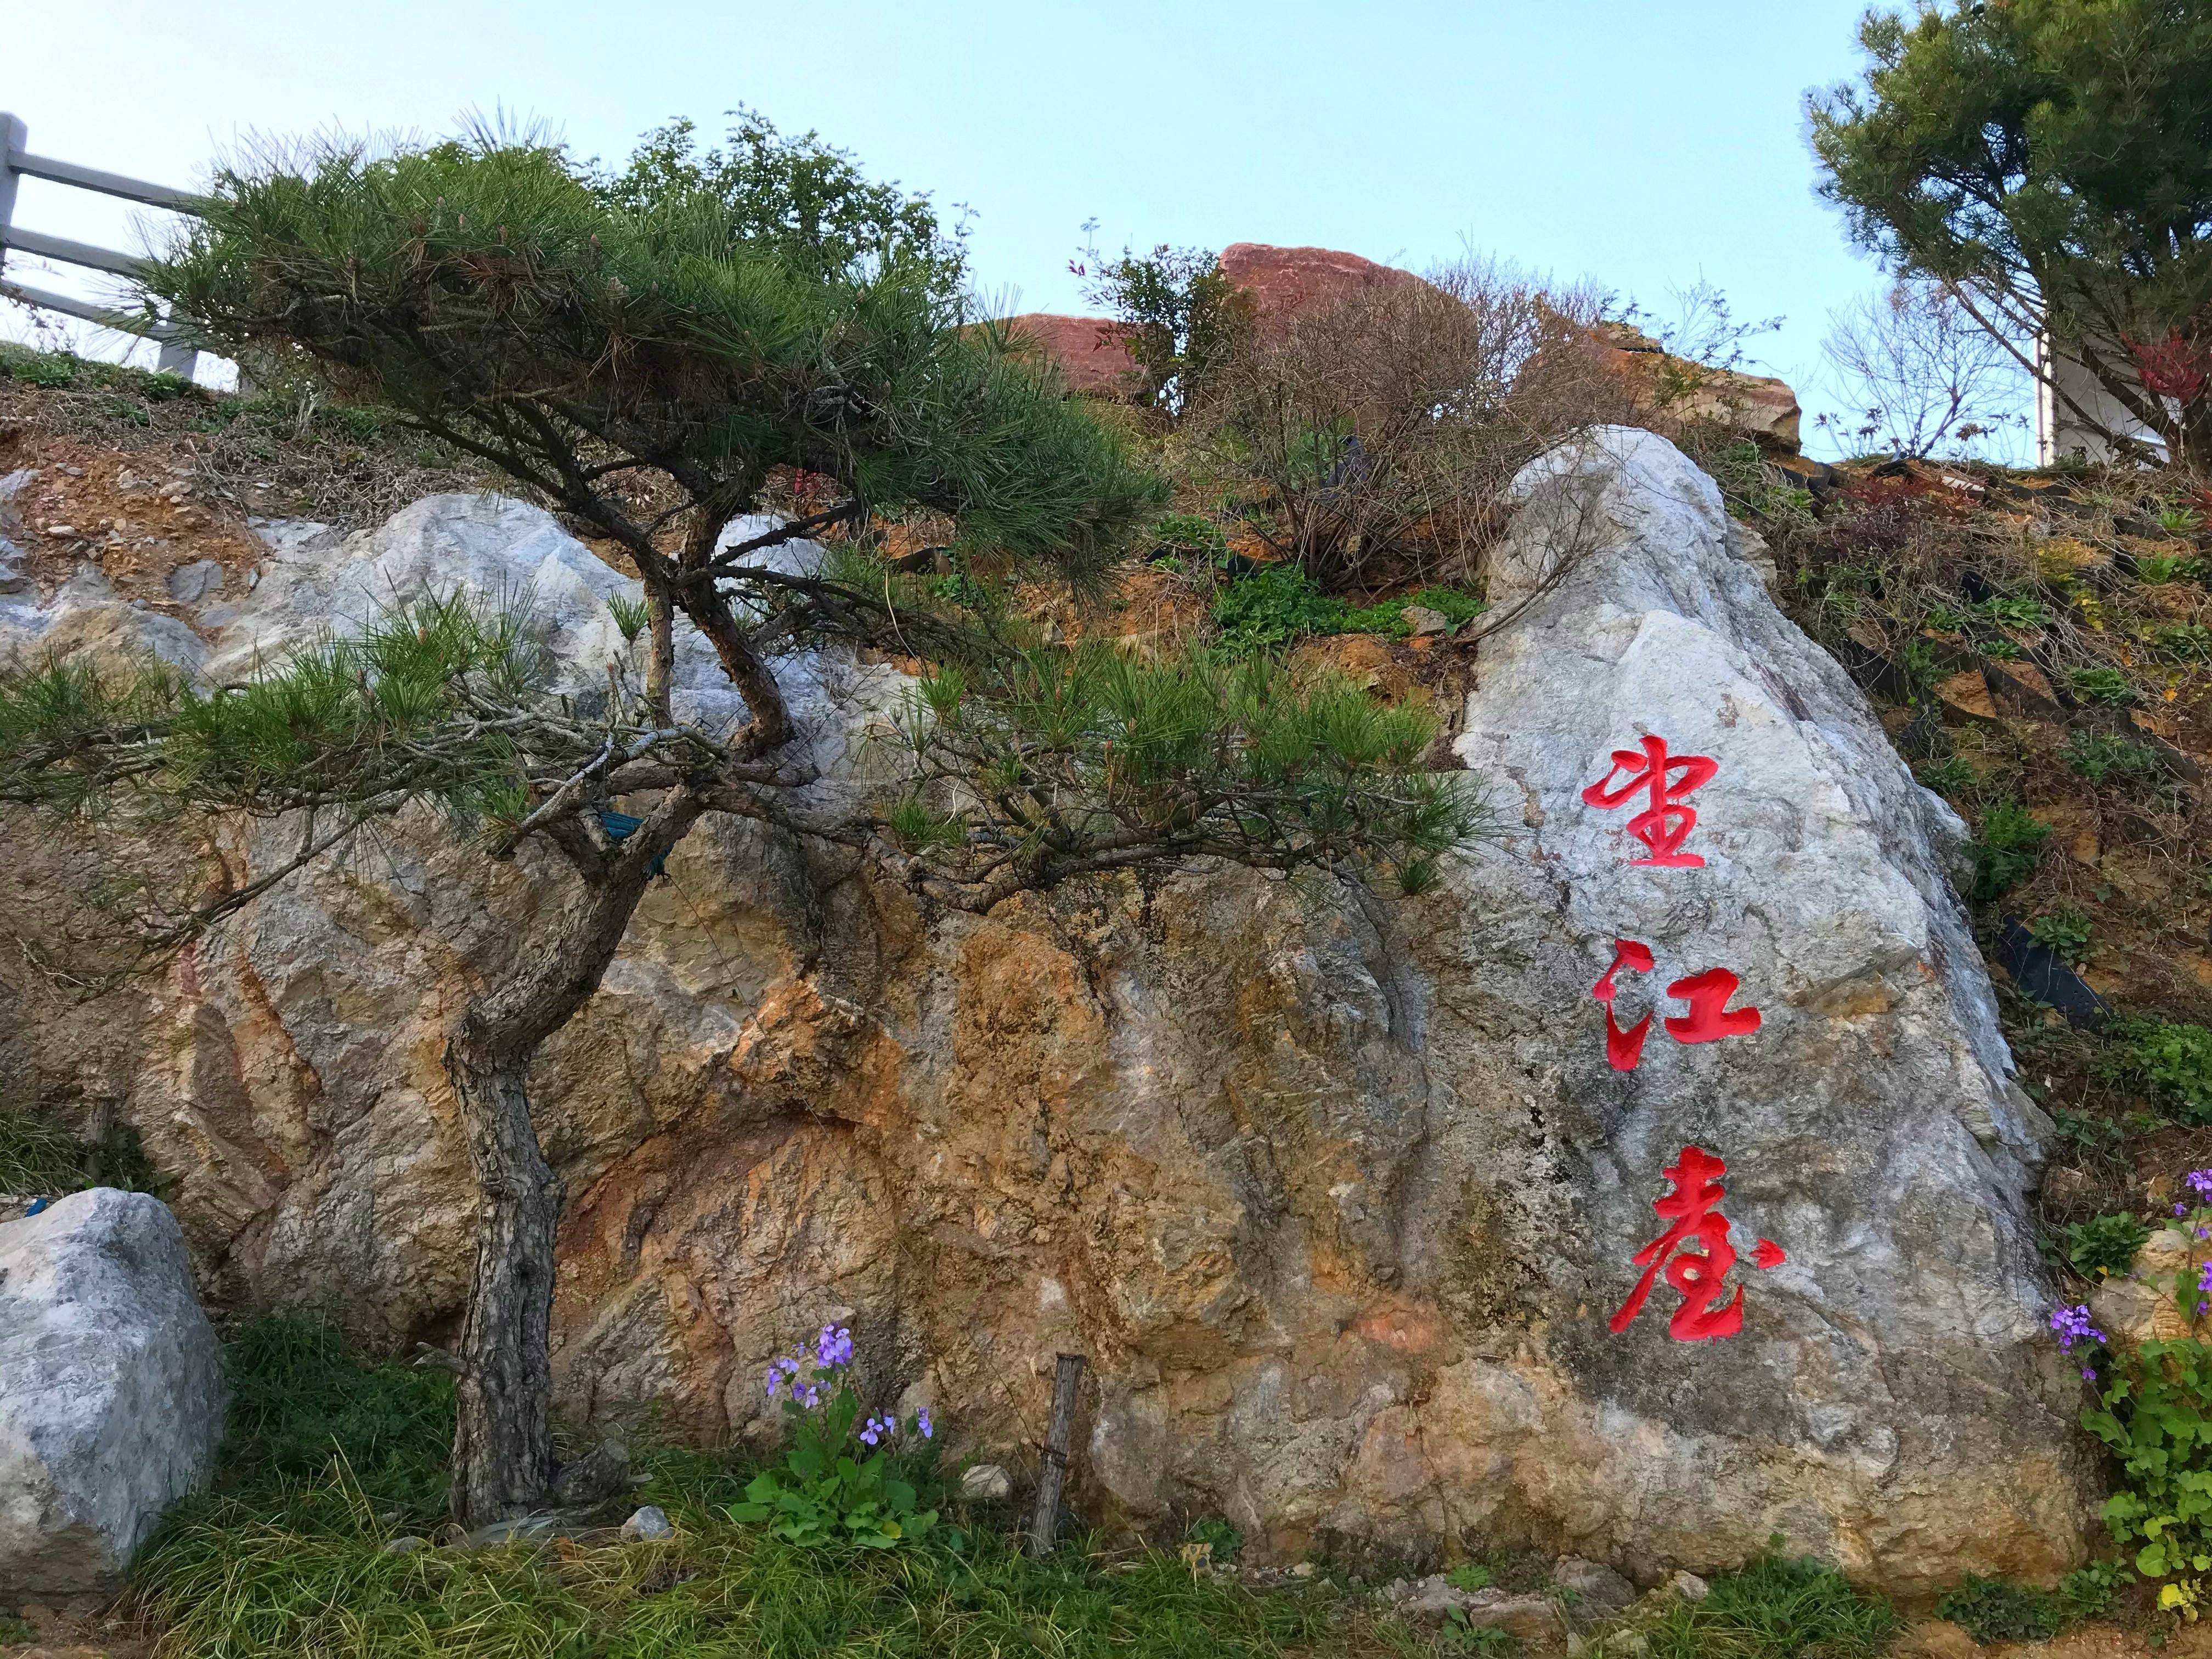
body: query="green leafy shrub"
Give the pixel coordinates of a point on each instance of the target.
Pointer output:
(2157, 567)
(1189, 534)
(2007, 850)
(2156, 1417)
(1994, 1610)
(2105, 1244)
(54, 373)
(2100, 756)
(1456, 605)
(2100, 684)
(2184, 642)
(841, 1482)
(1223, 1541)
(2066, 930)
(1272, 607)
(2016, 611)
(2178, 1059)
(1468, 1576)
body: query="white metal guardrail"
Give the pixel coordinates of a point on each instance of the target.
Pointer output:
(17, 163)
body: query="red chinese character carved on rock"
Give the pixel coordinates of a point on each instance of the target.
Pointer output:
(1709, 1020)
(1623, 1048)
(1698, 1274)
(1665, 824)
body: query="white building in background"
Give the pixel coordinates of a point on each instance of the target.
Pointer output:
(2059, 432)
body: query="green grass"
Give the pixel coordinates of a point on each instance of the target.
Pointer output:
(329, 1459)
(1776, 1609)
(38, 1156)
(41, 1158)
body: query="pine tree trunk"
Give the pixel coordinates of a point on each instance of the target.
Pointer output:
(502, 1460)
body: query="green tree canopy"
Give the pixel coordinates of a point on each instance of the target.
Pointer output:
(2050, 160)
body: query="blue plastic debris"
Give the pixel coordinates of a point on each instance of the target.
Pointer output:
(621, 826)
(37, 1205)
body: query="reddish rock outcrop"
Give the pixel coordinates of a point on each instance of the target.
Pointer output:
(1760, 406)
(1092, 352)
(1284, 281)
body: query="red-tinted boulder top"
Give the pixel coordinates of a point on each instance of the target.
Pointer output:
(1090, 350)
(1286, 280)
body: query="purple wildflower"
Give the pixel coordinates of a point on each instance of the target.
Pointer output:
(872, 1433)
(2204, 1278)
(833, 1348)
(921, 1421)
(774, 1382)
(2088, 1376)
(2200, 1182)
(2181, 1209)
(2072, 1324)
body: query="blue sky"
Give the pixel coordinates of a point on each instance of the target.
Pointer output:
(1644, 145)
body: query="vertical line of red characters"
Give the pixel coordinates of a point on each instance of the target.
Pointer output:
(1699, 1274)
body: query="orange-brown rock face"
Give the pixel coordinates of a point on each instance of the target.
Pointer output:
(1090, 350)
(1285, 281)
(1758, 406)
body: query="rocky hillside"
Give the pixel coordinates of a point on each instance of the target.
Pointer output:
(1348, 1201)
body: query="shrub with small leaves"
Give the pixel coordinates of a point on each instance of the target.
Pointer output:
(2104, 685)
(2066, 930)
(2105, 1245)
(2178, 1059)
(2156, 1417)
(2104, 756)
(2007, 849)
(2158, 568)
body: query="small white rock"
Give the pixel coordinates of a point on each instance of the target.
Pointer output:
(987, 1483)
(1689, 1586)
(647, 1525)
(1421, 621)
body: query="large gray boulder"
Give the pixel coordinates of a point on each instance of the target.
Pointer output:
(111, 1391)
(1341, 1196)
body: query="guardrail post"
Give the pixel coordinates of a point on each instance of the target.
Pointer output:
(14, 137)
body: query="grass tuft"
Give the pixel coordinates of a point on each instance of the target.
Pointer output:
(1776, 1608)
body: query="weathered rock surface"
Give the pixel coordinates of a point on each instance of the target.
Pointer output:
(1285, 281)
(1337, 1196)
(1758, 406)
(1091, 352)
(111, 1391)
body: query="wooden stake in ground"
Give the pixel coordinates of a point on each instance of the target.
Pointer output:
(1044, 1522)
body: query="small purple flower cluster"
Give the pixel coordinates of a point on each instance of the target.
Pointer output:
(808, 1383)
(879, 1429)
(832, 1349)
(2073, 1326)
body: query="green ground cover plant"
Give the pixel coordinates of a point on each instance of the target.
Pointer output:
(332, 1458)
